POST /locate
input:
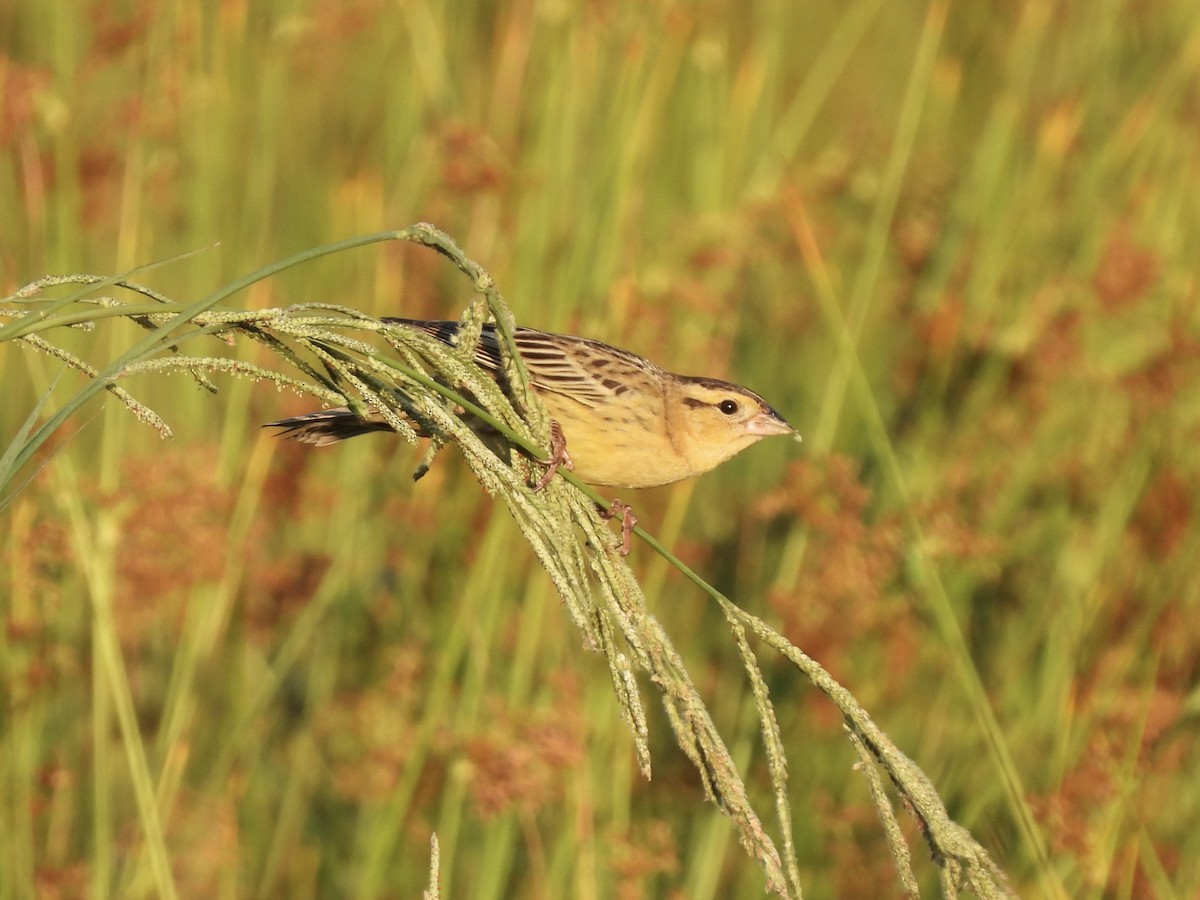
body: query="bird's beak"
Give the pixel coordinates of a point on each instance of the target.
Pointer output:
(767, 423)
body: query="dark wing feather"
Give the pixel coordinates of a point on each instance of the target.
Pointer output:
(591, 373)
(487, 353)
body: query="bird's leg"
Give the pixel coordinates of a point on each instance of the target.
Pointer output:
(628, 520)
(559, 457)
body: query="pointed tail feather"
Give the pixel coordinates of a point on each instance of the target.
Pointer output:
(326, 426)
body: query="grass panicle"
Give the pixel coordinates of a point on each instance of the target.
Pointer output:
(422, 378)
(953, 243)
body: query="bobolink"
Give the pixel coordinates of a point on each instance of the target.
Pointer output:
(626, 422)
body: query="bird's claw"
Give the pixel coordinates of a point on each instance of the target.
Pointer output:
(628, 521)
(559, 457)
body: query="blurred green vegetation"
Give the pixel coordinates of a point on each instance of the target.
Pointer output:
(999, 204)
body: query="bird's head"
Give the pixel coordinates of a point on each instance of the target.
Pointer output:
(715, 420)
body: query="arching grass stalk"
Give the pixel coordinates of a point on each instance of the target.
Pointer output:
(29, 321)
(440, 388)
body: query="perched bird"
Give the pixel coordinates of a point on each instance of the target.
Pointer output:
(620, 420)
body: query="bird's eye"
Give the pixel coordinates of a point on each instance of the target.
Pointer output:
(729, 407)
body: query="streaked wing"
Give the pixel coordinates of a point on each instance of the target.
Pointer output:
(487, 352)
(563, 366)
(586, 371)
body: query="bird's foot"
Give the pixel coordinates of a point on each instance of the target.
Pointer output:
(628, 521)
(559, 457)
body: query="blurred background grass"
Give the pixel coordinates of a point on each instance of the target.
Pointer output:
(328, 662)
